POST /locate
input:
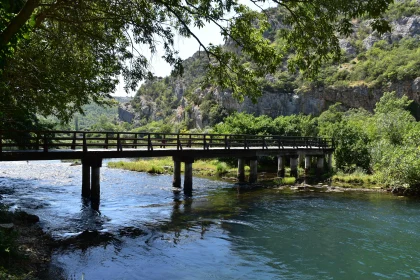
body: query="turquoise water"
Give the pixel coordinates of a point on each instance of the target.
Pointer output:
(145, 231)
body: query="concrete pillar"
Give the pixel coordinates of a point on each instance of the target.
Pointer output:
(301, 160)
(280, 166)
(85, 178)
(253, 172)
(188, 178)
(241, 170)
(176, 183)
(330, 162)
(307, 165)
(294, 166)
(320, 165)
(95, 194)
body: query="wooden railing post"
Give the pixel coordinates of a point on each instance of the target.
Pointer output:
(227, 144)
(119, 145)
(45, 143)
(204, 141)
(106, 140)
(164, 140)
(85, 149)
(149, 143)
(178, 143)
(245, 143)
(37, 141)
(73, 142)
(135, 141)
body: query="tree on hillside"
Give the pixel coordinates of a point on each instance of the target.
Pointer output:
(57, 55)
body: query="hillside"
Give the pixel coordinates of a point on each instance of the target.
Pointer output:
(371, 64)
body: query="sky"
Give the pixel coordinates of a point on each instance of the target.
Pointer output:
(186, 47)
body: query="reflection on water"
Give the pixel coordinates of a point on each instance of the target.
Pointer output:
(146, 231)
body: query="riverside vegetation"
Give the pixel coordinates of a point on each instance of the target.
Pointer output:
(379, 148)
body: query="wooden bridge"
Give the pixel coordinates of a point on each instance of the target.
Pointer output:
(91, 147)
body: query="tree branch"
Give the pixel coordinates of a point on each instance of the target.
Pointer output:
(18, 21)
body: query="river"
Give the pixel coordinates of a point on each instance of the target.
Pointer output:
(145, 231)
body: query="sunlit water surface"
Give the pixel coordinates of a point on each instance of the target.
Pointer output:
(145, 231)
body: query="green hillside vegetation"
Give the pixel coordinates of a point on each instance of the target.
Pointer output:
(96, 117)
(380, 65)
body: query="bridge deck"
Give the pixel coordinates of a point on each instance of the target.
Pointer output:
(49, 145)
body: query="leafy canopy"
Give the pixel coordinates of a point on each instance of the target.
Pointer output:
(56, 55)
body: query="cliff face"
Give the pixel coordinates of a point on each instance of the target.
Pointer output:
(315, 100)
(362, 96)
(125, 113)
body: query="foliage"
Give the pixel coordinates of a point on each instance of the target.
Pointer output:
(155, 127)
(285, 181)
(165, 165)
(221, 168)
(351, 149)
(384, 143)
(358, 176)
(242, 123)
(71, 53)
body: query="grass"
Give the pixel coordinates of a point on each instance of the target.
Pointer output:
(165, 165)
(285, 181)
(358, 177)
(154, 165)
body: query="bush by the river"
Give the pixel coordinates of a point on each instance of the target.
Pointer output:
(383, 143)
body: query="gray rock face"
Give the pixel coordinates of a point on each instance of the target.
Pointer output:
(312, 101)
(407, 26)
(125, 113)
(347, 47)
(401, 28)
(361, 96)
(272, 104)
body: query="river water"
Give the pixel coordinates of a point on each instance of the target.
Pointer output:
(145, 231)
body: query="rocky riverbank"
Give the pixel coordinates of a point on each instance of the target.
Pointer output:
(28, 248)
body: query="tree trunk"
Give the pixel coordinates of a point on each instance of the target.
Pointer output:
(18, 21)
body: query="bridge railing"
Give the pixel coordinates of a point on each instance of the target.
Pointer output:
(86, 140)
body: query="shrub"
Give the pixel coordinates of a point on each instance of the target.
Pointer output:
(221, 168)
(153, 169)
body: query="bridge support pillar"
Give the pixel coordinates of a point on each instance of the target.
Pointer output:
(294, 166)
(253, 172)
(307, 165)
(188, 178)
(85, 178)
(176, 183)
(320, 165)
(95, 191)
(301, 160)
(280, 166)
(330, 162)
(241, 170)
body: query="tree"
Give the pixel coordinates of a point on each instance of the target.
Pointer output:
(56, 55)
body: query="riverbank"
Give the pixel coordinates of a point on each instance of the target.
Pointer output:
(26, 248)
(165, 166)
(224, 171)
